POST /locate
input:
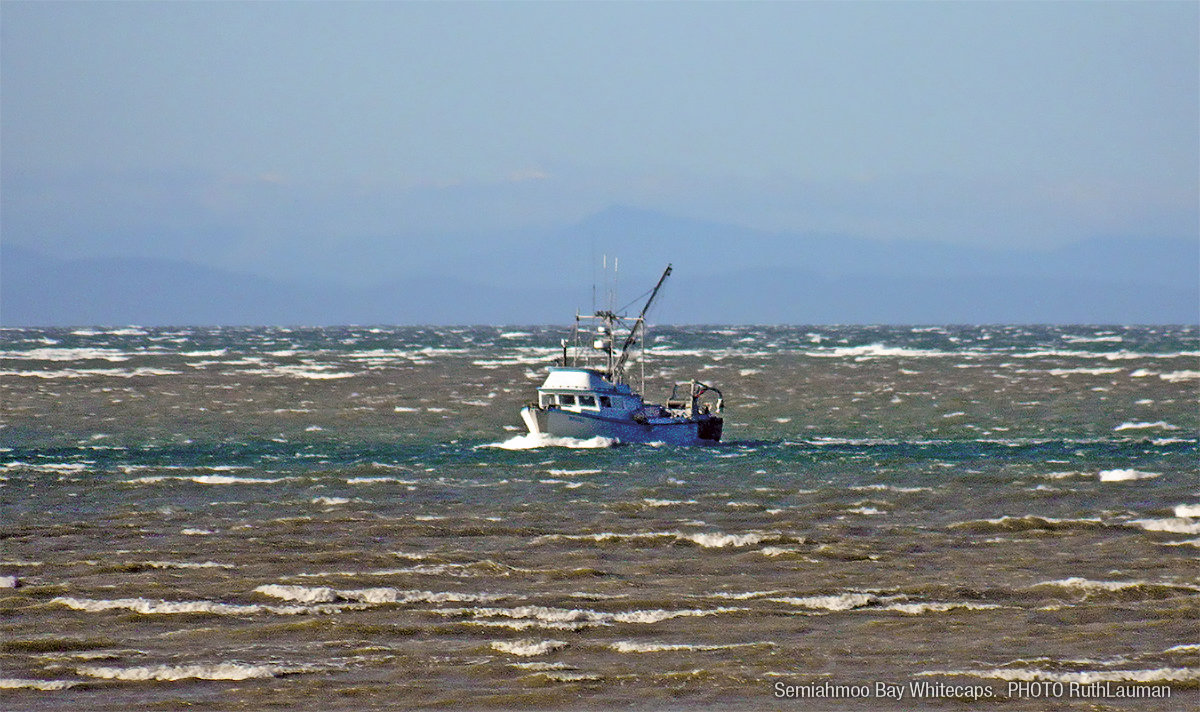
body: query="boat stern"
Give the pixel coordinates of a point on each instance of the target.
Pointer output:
(709, 429)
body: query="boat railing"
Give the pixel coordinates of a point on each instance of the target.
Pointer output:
(689, 400)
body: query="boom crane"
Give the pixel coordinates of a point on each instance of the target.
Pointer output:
(639, 326)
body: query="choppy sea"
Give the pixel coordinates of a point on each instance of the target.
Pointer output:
(351, 518)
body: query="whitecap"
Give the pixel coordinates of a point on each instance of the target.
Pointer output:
(565, 676)
(742, 595)
(574, 618)
(378, 480)
(1187, 510)
(720, 540)
(540, 666)
(870, 351)
(1061, 475)
(1173, 525)
(67, 354)
(1163, 442)
(1090, 586)
(325, 594)
(90, 372)
(299, 594)
(59, 467)
(219, 671)
(206, 480)
(1072, 339)
(312, 372)
(1184, 542)
(866, 511)
(629, 646)
(659, 615)
(708, 540)
(147, 606)
(774, 551)
(528, 648)
(1082, 371)
(835, 602)
(892, 488)
(937, 607)
(8, 683)
(1126, 475)
(1158, 424)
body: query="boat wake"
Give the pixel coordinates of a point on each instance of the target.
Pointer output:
(531, 441)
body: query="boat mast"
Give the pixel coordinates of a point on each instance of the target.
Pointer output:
(638, 326)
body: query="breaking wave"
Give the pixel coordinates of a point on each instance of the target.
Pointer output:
(147, 606)
(324, 594)
(835, 602)
(1028, 522)
(707, 540)
(220, 671)
(627, 646)
(528, 648)
(576, 618)
(1127, 475)
(46, 685)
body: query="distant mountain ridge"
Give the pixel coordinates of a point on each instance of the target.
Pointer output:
(39, 291)
(724, 274)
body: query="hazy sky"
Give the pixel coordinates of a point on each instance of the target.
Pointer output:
(228, 133)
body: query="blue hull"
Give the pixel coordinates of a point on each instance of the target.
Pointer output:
(704, 430)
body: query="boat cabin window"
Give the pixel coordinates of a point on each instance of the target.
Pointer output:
(566, 399)
(587, 401)
(605, 402)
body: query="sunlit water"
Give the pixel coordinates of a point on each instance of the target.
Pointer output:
(352, 519)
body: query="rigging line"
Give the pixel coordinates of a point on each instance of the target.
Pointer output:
(636, 299)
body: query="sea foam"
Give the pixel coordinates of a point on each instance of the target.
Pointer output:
(147, 606)
(528, 648)
(324, 594)
(1173, 525)
(8, 683)
(627, 646)
(835, 602)
(1139, 425)
(1126, 475)
(219, 671)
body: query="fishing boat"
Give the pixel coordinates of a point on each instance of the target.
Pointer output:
(589, 392)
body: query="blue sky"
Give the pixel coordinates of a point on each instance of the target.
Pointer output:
(233, 134)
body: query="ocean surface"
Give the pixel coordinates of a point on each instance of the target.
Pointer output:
(351, 518)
